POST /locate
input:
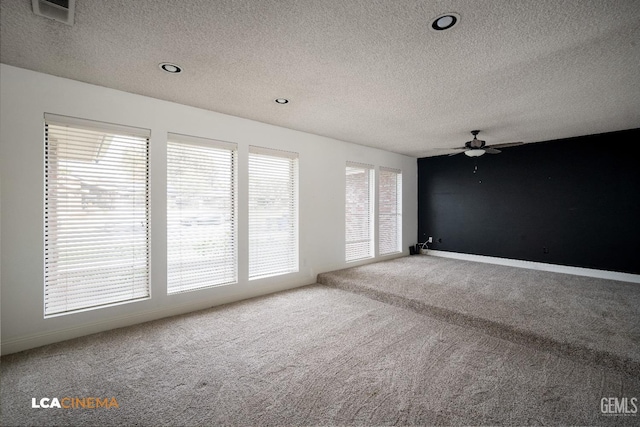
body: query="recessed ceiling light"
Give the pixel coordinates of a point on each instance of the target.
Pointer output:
(444, 22)
(170, 68)
(281, 101)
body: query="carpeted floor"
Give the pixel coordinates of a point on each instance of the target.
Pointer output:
(589, 319)
(311, 356)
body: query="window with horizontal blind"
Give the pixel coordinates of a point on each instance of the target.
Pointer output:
(359, 212)
(96, 224)
(389, 211)
(201, 213)
(273, 212)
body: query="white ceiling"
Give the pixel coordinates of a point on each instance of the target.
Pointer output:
(370, 72)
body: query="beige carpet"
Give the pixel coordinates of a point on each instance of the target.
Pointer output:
(310, 356)
(591, 320)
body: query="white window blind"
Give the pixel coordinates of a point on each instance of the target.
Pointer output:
(201, 213)
(273, 212)
(96, 224)
(359, 211)
(389, 211)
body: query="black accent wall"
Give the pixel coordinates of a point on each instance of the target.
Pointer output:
(572, 202)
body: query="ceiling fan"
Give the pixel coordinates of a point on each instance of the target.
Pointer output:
(476, 147)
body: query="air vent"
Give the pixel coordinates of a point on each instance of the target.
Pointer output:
(59, 10)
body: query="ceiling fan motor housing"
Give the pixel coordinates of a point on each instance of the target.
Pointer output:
(475, 143)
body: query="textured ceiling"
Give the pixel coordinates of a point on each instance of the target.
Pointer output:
(370, 72)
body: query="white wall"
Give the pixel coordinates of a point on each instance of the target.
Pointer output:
(26, 96)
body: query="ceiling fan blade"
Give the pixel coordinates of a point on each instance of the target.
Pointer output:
(448, 148)
(506, 144)
(457, 150)
(491, 150)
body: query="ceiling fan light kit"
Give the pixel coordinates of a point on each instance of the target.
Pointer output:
(476, 152)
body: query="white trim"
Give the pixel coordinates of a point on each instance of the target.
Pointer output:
(556, 268)
(386, 169)
(29, 341)
(200, 141)
(357, 165)
(273, 152)
(25, 342)
(96, 126)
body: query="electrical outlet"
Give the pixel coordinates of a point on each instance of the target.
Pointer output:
(430, 240)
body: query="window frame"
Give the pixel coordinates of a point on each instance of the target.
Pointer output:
(370, 218)
(217, 151)
(257, 170)
(89, 208)
(397, 214)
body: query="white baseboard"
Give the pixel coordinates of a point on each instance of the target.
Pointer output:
(39, 339)
(578, 271)
(26, 342)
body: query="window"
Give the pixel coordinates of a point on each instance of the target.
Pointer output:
(201, 213)
(359, 211)
(389, 211)
(96, 224)
(273, 212)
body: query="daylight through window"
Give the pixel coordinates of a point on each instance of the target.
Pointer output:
(96, 223)
(359, 212)
(201, 213)
(273, 212)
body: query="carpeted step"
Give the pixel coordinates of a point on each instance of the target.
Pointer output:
(538, 338)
